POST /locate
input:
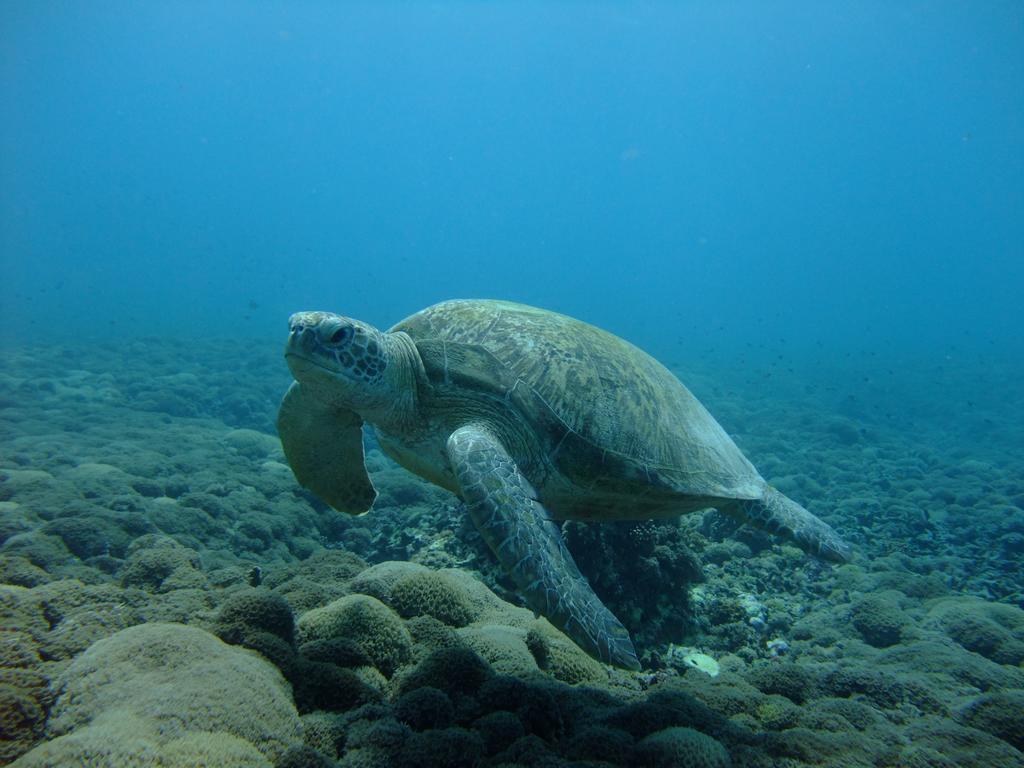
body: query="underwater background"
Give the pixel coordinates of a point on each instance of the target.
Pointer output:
(812, 213)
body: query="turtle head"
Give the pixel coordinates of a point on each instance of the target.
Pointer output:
(340, 361)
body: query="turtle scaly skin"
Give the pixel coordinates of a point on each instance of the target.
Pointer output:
(781, 515)
(527, 543)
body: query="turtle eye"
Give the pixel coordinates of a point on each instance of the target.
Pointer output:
(341, 335)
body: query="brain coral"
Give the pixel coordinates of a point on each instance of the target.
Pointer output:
(374, 627)
(185, 680)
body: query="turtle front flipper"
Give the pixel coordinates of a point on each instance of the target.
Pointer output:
(529, 546)
(324, 447)
(779, 514)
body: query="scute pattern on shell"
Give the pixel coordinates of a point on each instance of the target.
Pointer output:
(611, 394)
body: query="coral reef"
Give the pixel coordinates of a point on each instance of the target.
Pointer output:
(181, 681)
(393, 639)
(371, 625)
(680, 748)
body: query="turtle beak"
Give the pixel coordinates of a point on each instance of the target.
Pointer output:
(304, 328)
(301, 352)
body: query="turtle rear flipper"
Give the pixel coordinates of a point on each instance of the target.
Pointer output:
(778, 513)
(324, 447)
(530, 548)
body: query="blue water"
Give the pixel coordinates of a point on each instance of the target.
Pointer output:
(812, 212)
(832, 175)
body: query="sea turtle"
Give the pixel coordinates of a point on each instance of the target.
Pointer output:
(529, 416)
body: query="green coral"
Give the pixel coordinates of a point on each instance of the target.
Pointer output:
(46, 552)
(570, 664)
(992, 630)
(499, 729)
(378, 580)
(538, 703)
(948, 660)
(89, 535)
(961, 745)
(20, 571)
(1000, 713)
(425, 708)
(456, 671)
(195, 750)
(303, 757)
(642, 718)
(431, 635)
(275, 650)
(374, 627)
(687, 709)
(184, 680)
(254, 610)
(883, 689)
(442, 748)
(365, 757)
(122, 740)
(432, 594)
(565, 660)
(860, 716)
(343, 651)
(680, 748)
(22, 718)
(504, 648)
(261, 620)
(539, 647)
(776, 712)
(598, 742)
(318, 685)
(17, 649)
(529, 750)
(164, 567)
(332, 567)
(727, 694)
(384, 734)
(305, 594)
(792, 680)
(879, 620)
(324, 731)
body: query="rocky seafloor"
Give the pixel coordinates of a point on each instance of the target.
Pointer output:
(170, 597)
